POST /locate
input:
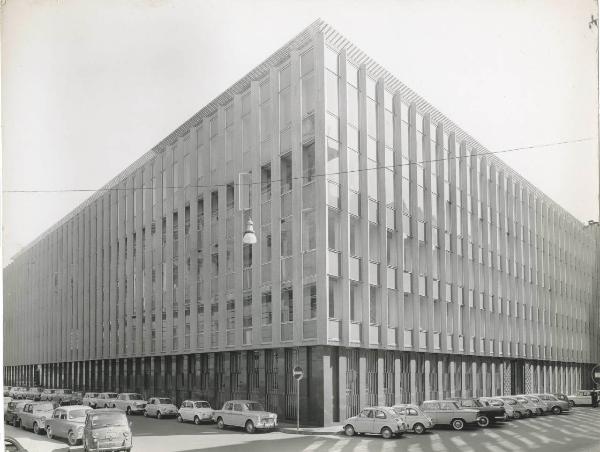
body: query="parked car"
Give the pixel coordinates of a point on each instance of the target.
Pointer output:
(487, 414)
(519, 411)
(17, 392)
(130, 402)
(106, 429)
(540, 406)
(447, 412)
(105, 400)
(67, 422)
(196, 411)
(378, 420)
(245, 413)
(414, 418)
(561, 396)
(581, 397)
(88, 398)
(7, 400)
(47, 394)
(34, 415)
(13, 411)
(63, 396)
(160, 407)
(531, 408)
(7, 390)
(12, 445)
(555, 405)
(493, 401)
(34, 393)
(77, 398)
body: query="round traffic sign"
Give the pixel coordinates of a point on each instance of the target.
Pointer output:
(298, 373)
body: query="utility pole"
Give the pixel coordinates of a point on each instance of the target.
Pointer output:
(594, 23)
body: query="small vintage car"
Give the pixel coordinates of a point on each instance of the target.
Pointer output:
(7, 390)
(34, 393)
(519, 411)
(540, 407)
(493, 401)
(553, 404)
(245, 413)
(67, 422)
(107, 429)
(414, 418)
(12, 445)
(34, 415)
(378, 420)
(196, 411)
(13, 411)
(487, 414)
(160, 407)
(7, 400)
(130, 402)
(63, 396)
(47, 394)
(447, 412)
(531, 409)
(18, 392)
(77, 398)
(581, 397)
(105, 400)
(88, 398)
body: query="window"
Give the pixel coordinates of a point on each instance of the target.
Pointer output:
(247, 309)
(286, 237)
(310, 301)
(308, 163)
(267, 309)
(309, 233)
(230, 314)
(287, 304)
(286, 173)
(265, 176)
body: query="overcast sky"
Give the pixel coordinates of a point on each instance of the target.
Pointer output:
(89, 86)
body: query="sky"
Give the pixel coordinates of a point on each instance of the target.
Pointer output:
(89, 86)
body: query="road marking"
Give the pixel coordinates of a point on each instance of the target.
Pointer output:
(314, 446)
(462, 444)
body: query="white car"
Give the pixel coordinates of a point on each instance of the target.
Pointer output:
(105, 400)
(130, 402)
(245, 413)
(581, 397)
(378, 420)
(160, 407)
(414, 418)
(88, 398)
(196, 411)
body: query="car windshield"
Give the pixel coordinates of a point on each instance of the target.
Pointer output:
(108, 419)
(511, 401)
(165, 401)
(43, 407)
(74, 414)
(202, 405)
(135, 397)
(67, 391)
(471, 403)
(111, 395)
(92, 394)
(535, 399)
(254, 406)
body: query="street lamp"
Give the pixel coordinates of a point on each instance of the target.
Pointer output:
(249, 235)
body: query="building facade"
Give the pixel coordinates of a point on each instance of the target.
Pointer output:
(397, 259)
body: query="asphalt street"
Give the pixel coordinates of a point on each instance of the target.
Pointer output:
(572, 432)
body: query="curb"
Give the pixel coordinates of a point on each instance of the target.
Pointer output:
(305, 431)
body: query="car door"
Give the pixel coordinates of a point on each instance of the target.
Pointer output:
(184, 410)
(26, 415)
(237, 415)
(380, 420)
(432, 410)
(363, 420)
(412, 417)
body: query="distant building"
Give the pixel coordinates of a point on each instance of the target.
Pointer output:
(393, 262)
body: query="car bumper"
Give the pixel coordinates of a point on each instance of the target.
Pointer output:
(106, 445)
(266, 425)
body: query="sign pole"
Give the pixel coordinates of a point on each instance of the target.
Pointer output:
(298, 373)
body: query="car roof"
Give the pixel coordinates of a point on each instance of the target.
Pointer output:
(241, 401)
(194, 401)
(73, 407)
(108, 410)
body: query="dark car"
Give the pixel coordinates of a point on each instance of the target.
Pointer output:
(12, 445)
(488, 414)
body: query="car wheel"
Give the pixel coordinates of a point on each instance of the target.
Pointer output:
(572, 403)
(49, 433)
(15, 422)
(220, 423)
(517, 415)
(158, 415)
(556, 410)
(72, 438)
(36, 428)
(349, 430)
(128, 411)
(483, 421)
(179, 418)
(250, 427)
(529, 413)
(418, 428)
(458, 424)
(386, 433)
(196, 420)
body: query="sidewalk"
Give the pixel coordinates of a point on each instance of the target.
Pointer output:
(335, 429)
